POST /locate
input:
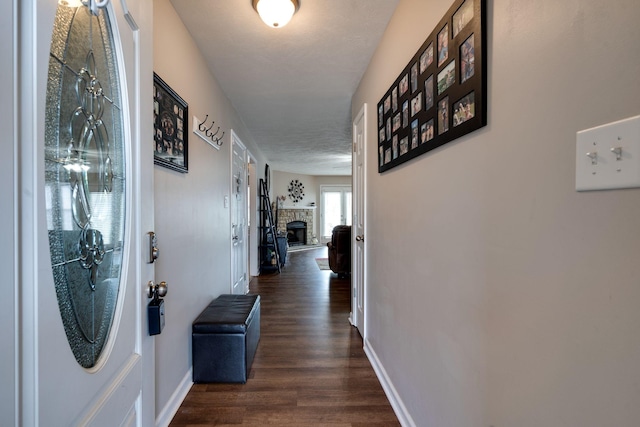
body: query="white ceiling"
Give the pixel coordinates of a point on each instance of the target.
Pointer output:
(292, 86)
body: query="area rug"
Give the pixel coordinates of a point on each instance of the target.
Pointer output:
(323, 263)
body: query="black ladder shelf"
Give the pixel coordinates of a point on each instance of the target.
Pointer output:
(268, 238)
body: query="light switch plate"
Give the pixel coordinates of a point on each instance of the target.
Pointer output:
(608, 156)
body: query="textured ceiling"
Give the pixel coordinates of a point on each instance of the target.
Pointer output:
(292, 86)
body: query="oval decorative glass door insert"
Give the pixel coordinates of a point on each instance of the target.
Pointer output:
(85, 177)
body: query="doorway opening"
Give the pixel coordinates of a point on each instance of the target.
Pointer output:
(336, 207)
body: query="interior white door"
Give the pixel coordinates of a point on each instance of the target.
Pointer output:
(239, 212)
(85, 350)
(358, 227)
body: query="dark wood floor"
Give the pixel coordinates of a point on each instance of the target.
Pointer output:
(310, 368)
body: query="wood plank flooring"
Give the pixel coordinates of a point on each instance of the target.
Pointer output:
(309, 369)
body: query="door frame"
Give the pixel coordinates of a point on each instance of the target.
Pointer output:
(254, 202)
(358, 317)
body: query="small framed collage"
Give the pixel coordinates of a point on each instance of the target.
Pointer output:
(441, 94)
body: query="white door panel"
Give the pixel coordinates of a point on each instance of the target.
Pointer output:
(56, 389)
(358, 227)
(239, 214)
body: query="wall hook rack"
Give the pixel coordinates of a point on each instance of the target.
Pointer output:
(203, 130)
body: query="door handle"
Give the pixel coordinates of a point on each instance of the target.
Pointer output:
(360, 238)
(155, 308)
(156, 291)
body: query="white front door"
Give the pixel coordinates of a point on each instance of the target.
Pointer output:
(86, 201)
(358, 254)
(239, 213)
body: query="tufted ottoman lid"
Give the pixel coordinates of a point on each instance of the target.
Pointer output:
(227, 314)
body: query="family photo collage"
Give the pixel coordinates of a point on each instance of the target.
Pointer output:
(440, 94)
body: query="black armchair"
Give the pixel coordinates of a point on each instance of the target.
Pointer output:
(340, 250)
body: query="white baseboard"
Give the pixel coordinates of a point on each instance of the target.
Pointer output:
(394, 399)
(172, 406)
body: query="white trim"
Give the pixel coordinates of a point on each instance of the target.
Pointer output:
(174, 402)
(27, 170)
(392, 394)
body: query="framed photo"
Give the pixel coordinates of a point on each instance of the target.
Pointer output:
(426, 132)
(404, 84)
(404, 146)
(405, 114)
(462, 17)
(394, 147)
(394, 99)
(447, 77)
(414, 134)
(467, 59)
(443, 115)
(397, 122)
(464, 110)
(414, 77)
(426, 58)
(169, 127)
(441, 92)
(428, 93)
(416, 104)
(443, 44)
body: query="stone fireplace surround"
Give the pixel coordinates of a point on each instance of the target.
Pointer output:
(289, 214)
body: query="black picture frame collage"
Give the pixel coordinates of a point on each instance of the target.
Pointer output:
(441, 93)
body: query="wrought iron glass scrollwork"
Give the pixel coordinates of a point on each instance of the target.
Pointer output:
(85, 176)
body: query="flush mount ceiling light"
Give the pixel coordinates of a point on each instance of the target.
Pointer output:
(276, 13)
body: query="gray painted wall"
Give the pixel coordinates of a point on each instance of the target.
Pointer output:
(191, 222)
(509, 299)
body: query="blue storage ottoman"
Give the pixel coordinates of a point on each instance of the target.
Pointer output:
(224, 339)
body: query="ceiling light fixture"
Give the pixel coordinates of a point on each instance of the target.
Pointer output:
(276, 13)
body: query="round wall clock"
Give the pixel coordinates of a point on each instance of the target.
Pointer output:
(296, 191)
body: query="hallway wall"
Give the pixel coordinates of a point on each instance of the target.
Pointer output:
(191, 220)
(510, 299)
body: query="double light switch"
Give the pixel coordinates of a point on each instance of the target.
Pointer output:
(608, 156)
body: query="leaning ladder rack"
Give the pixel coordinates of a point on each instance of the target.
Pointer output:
(268, 228)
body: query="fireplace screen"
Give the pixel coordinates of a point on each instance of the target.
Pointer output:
(297, 233)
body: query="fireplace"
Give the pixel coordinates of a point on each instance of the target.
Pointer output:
(297, 233)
